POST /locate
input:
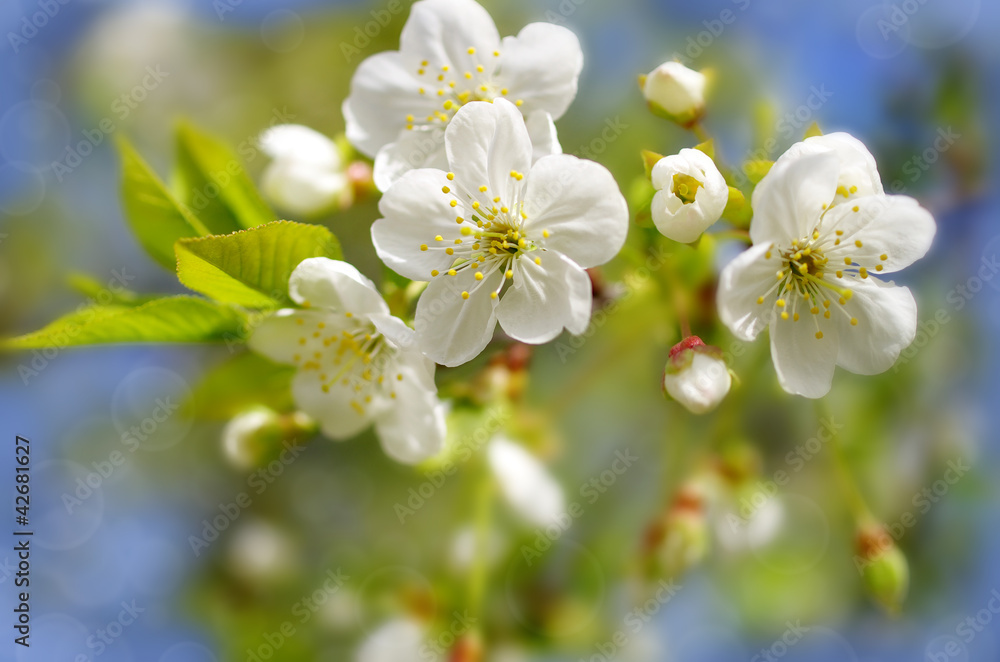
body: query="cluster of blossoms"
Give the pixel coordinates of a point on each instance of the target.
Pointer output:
(823, 232)
(478, 201)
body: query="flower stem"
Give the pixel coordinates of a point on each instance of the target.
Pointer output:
(700, 133)
(480, 566)
(848, 484)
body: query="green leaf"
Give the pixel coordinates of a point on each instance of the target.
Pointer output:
(211, 180)
(251, 267)
(245, 380)
(156, 217)
(108, 293)
(180, 319)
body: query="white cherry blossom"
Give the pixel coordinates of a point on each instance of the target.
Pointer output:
(501, 240)
(691, 195)
(696, 376)
(676, 90)
(450, 54)
(306, 175)
(526, 484)
(814, 272)
(357, 364)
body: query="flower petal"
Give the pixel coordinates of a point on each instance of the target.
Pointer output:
(335, 285)
(857, 165)
(337, 416)
(412, 429)
(542, 131)
(404, 340)
(277, 336)
(546, 298)
(686, 222)
(580, 205)
(887, 324)
(895, 226)
(541, 66)
(384, 91)
(294, 142)
(442, 31)
(749, 276)
(485, 142)
(788, 202)
(452, 330)
(301, 188)
(415, 212)
(525, 482)
(420, 148)
(804, 363)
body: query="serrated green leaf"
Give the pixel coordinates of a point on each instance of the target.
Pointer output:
(211, 180)
(251, 267)
(106, 293)
(245, 380)
(155, 216)
(181, 319)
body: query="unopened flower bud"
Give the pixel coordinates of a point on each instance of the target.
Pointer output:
(696, 376)
(679, 540)
(469, 648)
(675, 92)
(883, 568)
(306, 175)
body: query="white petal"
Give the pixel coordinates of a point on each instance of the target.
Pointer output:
(887, 324)
(302, 189)
(384, 91)
(485, 142)
(543, 134)
(804, 363)
(857, 165)
(895, 226)
(416, 211)
(335, 285)
(677, 89)
(686, 222)
(452, 330)
(788, 202)
(419, 148)
(300, 144)
(412, 428)
(400, 640)
(541, 66)
(545, 298)
(749, 276)
(525, 482)
(408, 355)
(442, 31)
(337, 417)
(277, 336)
(579, 203)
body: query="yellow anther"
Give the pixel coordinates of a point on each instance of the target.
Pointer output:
(493, 295)
(815, 234)
(878, 267)
(819, 335)
(450, 176)
(434, 272)
(546, 234)
(466, 231)
(840, 232)
(855, 208)
(519, 102)
(784, 315)
(814, 310)
(780, 303)
(445, 68)
(504, 91)
(509, 274)
(468, 74)
(458, 241)
(760, 299)
(420, 72)
(465, 295)
(472, 50)
(863, 272)
(300, 321)
(826, 304)
(422, 91)
(475, 204)
(854, 321)
(795, 317)
(883, 256)
(538, 261)
(439, 238)
(409, 118)
(826, 314)
(854, 189)
(842, 300)
(449, 251)
(452, 272)
(423, 247)
(453, 203)
(448, 104)
(848, 261)
(857, 242)
(459, 220)
(479, 275)
(767, 255)
(840, 274)
(483, 189)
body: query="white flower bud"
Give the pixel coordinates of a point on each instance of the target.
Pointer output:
(527, 485)
(306, 175)
(676, 91)
(696, 376)
(691, 195)
(246, 437)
